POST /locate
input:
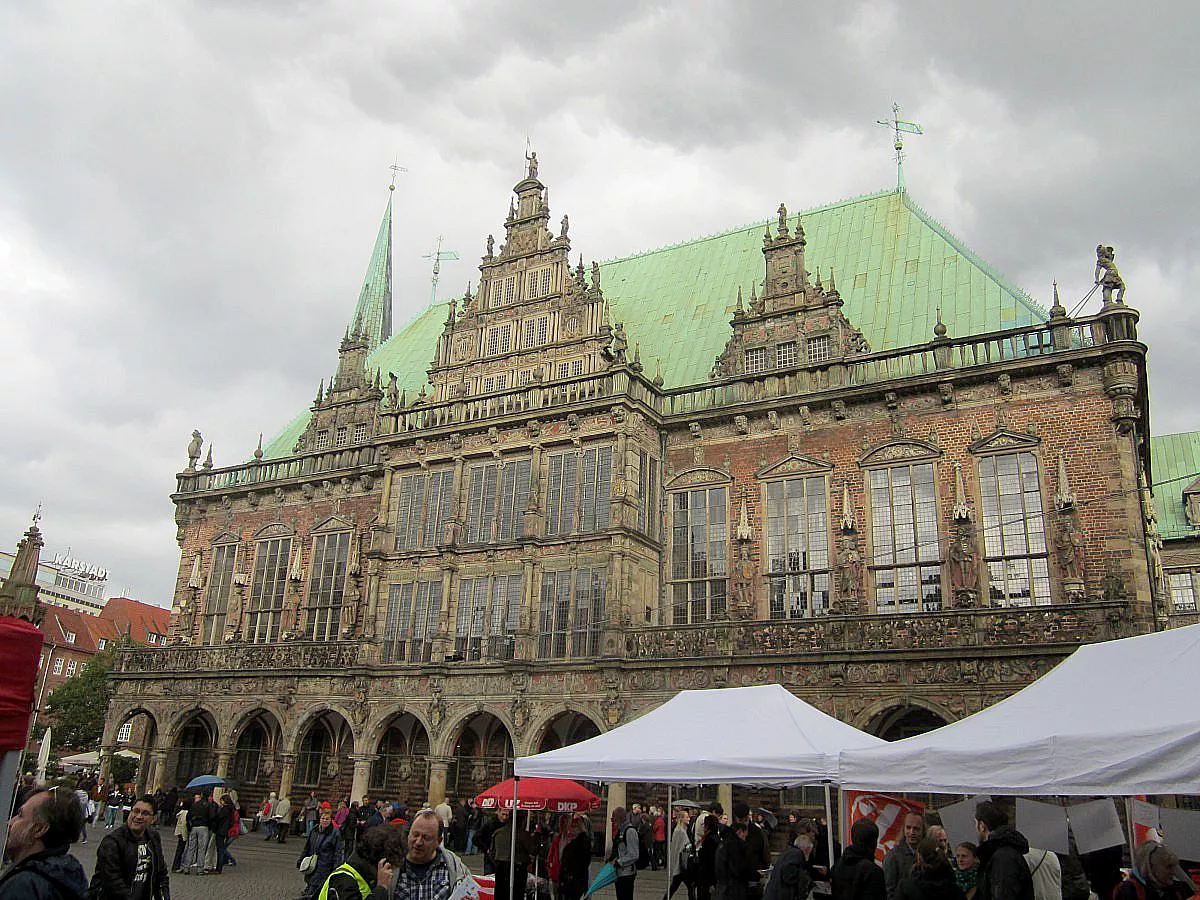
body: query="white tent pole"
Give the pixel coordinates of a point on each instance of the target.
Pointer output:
(670, 836)
(829, 824)
(10, 764)
(512, 849)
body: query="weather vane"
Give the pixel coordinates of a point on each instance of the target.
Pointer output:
(899, 127)
(396, 170)
(437, 256)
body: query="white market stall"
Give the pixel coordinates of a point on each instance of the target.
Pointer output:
(1114, 718)
(762, 735)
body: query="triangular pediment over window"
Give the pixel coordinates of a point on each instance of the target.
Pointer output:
(225, 538)
(698, 477)
(795, 465)
(898, 451)
(277, 530)
(334, 523)
(1004, 441)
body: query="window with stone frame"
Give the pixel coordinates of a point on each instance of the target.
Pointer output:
(818, 349)
(756, 360)
(785, 355)
(216, 598)
(1014, 530)
(1184, 587)
(499, 339)
(410, 621)
(497, 500)
(579, 491)
(504, 289)
(1191, 503)
(361, 432)
(571, 613)
(537, 331)
(422, 508)
(647, 482)
(58, 666)
(72, 667)
(798, 570)
(492, 383)
(267, 588)
(343, 435)
(537, 282)
(906, 563)
(322, 439)
(524, 377)
(699, 555)
(125, 732)
(327, 585)
(489, 611)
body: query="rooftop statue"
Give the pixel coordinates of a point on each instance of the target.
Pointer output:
(1111, 281)
(193, 450)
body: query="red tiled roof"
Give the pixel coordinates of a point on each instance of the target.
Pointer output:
(60, 621)
(135, 618)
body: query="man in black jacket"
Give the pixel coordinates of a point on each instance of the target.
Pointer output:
(39, 838)
(129, 861)
(856, 876)
(1003, 872)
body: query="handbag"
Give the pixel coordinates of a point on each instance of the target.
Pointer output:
(308, 865)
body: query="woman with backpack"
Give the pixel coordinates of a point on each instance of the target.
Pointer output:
(626, 850)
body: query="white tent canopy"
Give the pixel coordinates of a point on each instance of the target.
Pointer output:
(751, 735)
(92, 758)
(1114, 718)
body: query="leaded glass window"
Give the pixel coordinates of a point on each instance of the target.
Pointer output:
(267, 590)
(579, 491)
(422, 507)
(797, 547)
(571, 613)
(497, 500)
(410, 624)
(489, 612)
(327, 586)
(699, 555)
(216, 602)
(1183, 586)
(1014, 530)
(906, 558)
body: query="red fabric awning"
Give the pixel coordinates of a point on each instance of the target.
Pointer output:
(22, 643)
(552, 794)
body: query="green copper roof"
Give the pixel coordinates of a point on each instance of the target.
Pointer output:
(895, 267)
(373, 314)
(1175, 461)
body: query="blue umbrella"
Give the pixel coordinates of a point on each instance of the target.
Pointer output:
(203, 781)
(606, 876)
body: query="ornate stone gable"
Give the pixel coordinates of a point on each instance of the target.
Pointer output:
(346, 413)
(533, 319)
(794, 464)
(1003, 441)
(894, 451)
(795, 323)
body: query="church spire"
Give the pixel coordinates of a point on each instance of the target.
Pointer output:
(373, 314)
(19, 592)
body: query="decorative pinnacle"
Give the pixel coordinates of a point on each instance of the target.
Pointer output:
(832, 285)
(848, 523)
(961, 512)
(37, 516)
(208, 462)
(258, 451)
(744, 533)
(740, 309)
(939, 329)
(1064, 498)
(1057, 310)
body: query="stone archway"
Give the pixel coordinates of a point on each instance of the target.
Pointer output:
(483, 755)
(566, 728)
(401, 767)
(323, 758)
(253, 767)
(904, 720)
(136, 731)
(193, 748)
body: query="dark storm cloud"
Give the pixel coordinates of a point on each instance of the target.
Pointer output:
(189, 192)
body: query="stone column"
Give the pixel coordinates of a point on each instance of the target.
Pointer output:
(616, 797)
(725, 798)
(222, 771)
(362, 776)
(106, 757)
(150, 779)
(287, 769)
(438, 768)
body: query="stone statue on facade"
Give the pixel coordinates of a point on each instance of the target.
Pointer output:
(491, 245)
(532, 172)
(565, 227)
(595, 275)
(850, 575)
(1068, 553)
(1110, 281)
(620, 343)
(193, 451)
(964, 567)
(393, 392)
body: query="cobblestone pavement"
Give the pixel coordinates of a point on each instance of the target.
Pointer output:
(267, 871)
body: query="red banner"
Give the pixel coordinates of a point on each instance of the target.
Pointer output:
(886, 811)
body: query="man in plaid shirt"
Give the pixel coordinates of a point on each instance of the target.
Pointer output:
(430, 871)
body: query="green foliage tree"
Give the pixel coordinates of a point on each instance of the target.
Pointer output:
(76, 710)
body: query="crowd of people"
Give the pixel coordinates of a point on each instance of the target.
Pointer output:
(373, 850)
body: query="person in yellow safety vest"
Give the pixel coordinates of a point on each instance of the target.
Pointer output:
(367, 873)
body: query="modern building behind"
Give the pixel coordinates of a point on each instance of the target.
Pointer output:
(836, 451)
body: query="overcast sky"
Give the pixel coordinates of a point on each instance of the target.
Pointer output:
(189, 192)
